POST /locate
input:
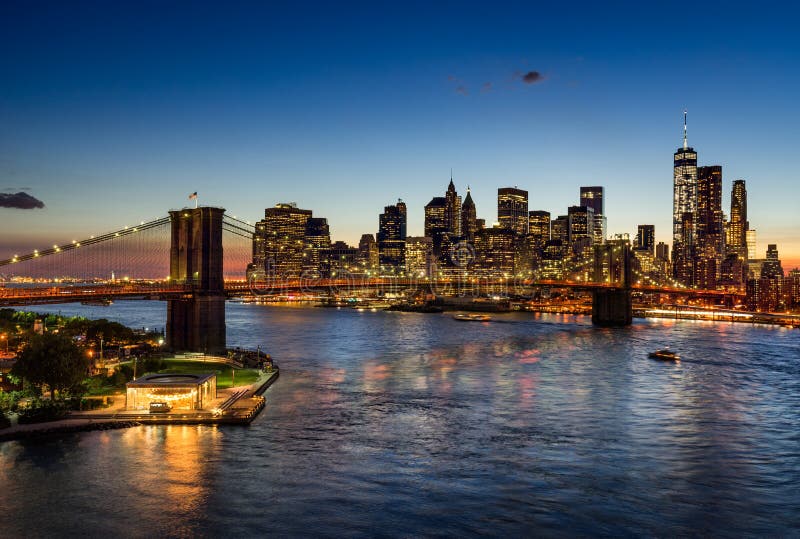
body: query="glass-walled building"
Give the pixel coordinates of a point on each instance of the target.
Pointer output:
(178, 391)
(684, 209)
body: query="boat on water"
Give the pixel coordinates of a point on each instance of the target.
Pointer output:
(472, 318)
(664, 355)
(105, 302)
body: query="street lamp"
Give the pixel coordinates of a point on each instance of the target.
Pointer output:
(5, 338)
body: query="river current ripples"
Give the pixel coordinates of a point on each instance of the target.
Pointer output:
(404, 424)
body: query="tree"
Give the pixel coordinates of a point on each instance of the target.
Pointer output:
(54, 360)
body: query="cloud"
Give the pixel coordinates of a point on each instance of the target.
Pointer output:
(532, 77)
(21, 200)
(461, 88)
(487, 87)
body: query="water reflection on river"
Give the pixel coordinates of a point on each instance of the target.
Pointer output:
(408, 424)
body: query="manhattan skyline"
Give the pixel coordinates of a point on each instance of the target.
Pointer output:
(112, 121)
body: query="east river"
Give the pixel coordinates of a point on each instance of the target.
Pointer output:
(403, 424)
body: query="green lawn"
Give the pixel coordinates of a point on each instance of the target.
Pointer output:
(224, 372)
(242, 377)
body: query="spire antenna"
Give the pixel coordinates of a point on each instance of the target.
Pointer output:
(685, 142)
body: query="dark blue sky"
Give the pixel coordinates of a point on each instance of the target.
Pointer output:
(344, 108)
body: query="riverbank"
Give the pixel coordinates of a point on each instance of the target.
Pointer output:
(238, 406)
(54, 429)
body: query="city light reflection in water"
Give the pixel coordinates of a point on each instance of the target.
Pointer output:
(407, 424)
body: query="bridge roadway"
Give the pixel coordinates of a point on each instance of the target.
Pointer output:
(21, 296)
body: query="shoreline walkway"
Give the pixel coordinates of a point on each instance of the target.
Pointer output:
(233, 406)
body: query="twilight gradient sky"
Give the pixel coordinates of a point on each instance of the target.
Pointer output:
(112, 113)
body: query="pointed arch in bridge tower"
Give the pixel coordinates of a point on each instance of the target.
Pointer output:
(196, 323)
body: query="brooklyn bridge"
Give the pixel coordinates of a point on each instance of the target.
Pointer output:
(195, 259)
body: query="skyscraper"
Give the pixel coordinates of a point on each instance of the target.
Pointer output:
(469, 217)
(684, 209)
(419, 256)
(279, 241)
(317, 238)
(592, 197)
(581, 226)
(539, 224)
(709, 230)
(436, 217)
(392, 237)
(494, 251)
(738, 225)
(646, 238)
(772, 269)
(559, 229)
(750, 234)
(368, 252)
(662, 251)
(340, 260)
(452, 211)
(512, 209)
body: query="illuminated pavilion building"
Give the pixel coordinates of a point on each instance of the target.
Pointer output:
(178, 391)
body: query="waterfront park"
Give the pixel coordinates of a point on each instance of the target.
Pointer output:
(60, 371)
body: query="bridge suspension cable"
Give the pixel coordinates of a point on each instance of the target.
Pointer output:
(92, 240)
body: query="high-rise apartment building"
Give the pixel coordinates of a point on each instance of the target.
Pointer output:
(738, 225)
(684, 209)
(512, 209)
(392, 237)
